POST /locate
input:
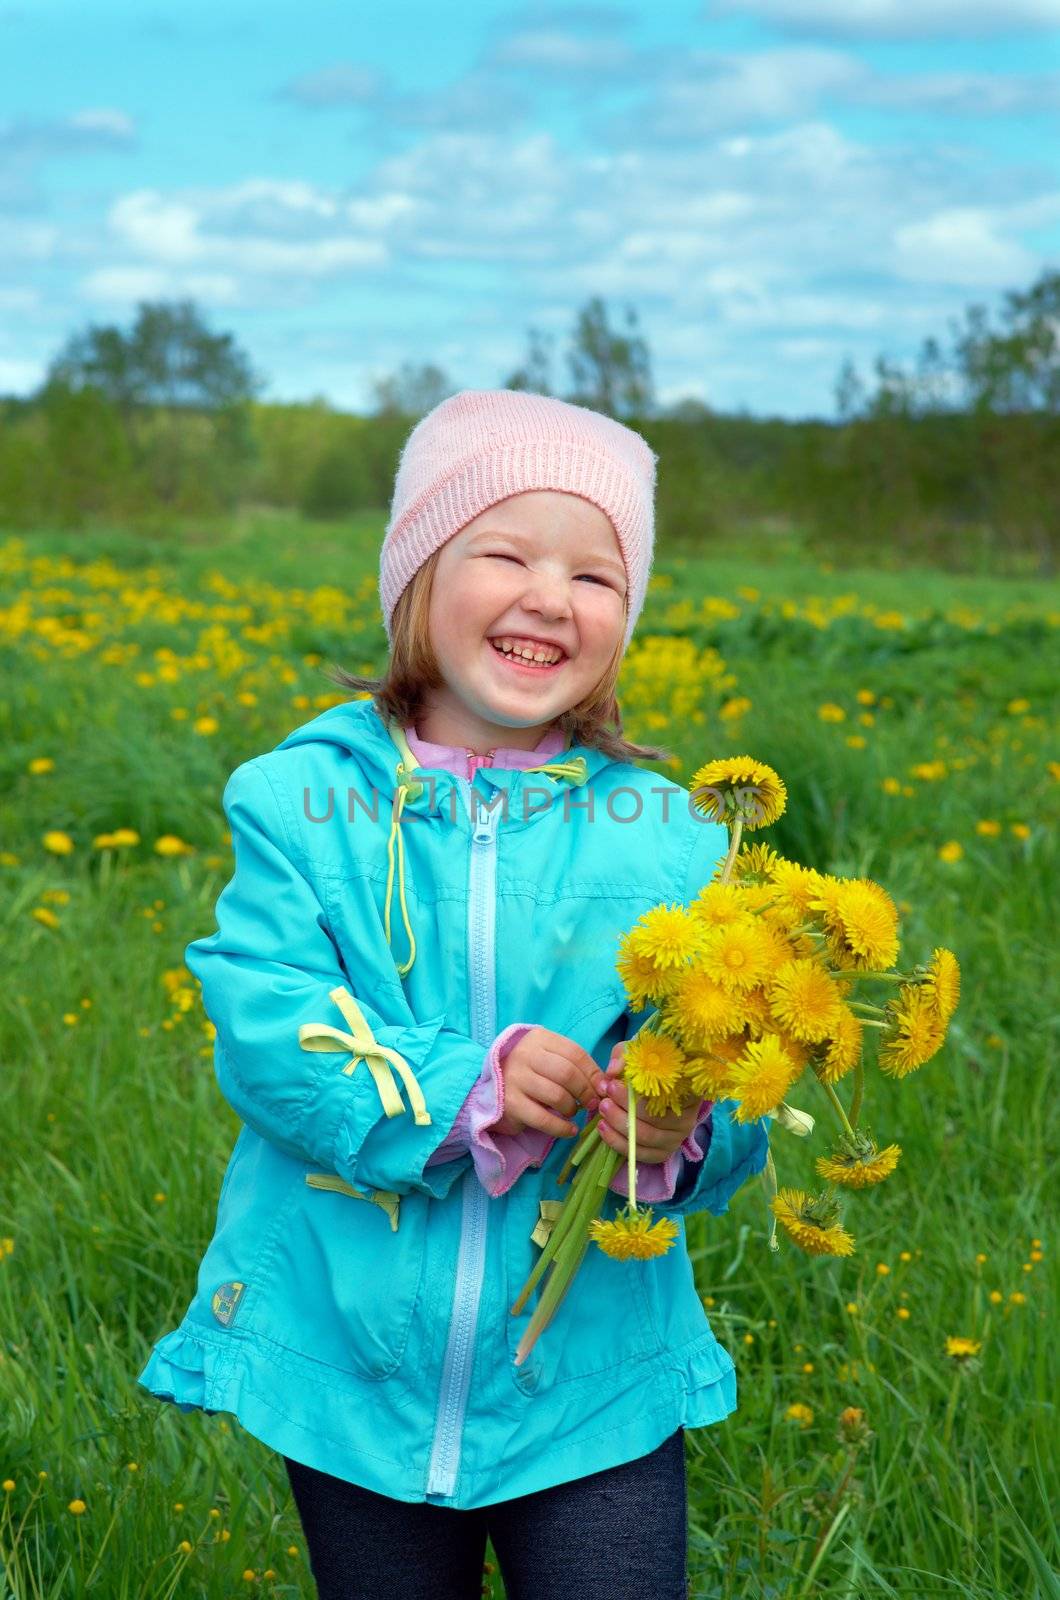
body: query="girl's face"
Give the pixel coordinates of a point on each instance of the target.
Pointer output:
(540, 568)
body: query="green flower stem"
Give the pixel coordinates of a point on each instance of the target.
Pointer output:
(859, 1086)
(631, 1143)
(830, 1092)
(583, 1203)
(581, 1147)
(865, 1005)
(734, 845)
(881, 977)
(576, 1199)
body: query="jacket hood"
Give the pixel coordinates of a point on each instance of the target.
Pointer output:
(389, 766)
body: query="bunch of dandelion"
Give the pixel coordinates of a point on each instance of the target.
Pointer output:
(752, 986)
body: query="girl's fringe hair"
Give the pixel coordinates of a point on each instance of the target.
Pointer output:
(412, 670)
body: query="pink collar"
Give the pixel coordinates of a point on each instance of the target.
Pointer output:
(454, 758)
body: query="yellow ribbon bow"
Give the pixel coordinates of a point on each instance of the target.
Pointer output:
(362, 1046)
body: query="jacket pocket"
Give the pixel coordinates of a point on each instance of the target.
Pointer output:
(603, 1320)
(345, 1278)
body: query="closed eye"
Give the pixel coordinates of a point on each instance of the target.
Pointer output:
(498, 555)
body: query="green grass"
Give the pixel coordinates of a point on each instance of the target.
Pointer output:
(119, 1136)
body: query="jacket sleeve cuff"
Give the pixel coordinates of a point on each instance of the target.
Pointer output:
(661, 1180)
(498, 1158)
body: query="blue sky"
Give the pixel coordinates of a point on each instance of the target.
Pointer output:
(773, 185)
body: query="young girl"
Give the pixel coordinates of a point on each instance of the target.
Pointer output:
(414, 989)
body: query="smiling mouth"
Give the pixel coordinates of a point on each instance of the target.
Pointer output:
(521, 664)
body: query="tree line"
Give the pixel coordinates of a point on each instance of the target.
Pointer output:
(956, 461)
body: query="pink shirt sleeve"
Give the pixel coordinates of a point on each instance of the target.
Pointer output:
(658, 1180)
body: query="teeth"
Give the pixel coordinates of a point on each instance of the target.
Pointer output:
(528, 652)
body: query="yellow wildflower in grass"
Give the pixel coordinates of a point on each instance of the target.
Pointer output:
(857, 1171)
(903, 1313)
(1020, 830)
(738, 706)
(865, 697)
(891, 786)
(914, 1033)
(206, 725)
(57, 842)
(960, 1349)
(797, 1412)
(951, 851)
(1018, 1298)
(739, 787)
(811, 1222)
(170, 845)
(124, 836)
(830, 712)
(856, 741)
(761, 1077)
(44, 916)
(41, 764)
(78, 1507)
(804, 999)
(988, 828)
(103, 841)
(633, 1235)
(1016, 708)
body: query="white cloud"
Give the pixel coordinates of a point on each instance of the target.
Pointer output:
(962, 245)
(898, 18)
(104, 120)
(126, 285)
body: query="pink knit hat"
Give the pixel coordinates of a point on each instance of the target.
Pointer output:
(483, 445)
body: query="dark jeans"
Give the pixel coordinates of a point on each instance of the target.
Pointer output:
(621, 1534)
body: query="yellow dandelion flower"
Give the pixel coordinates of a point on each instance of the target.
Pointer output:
(669, 934)
(951, 851)
(125, 836)
(701, 1008)
(761, 1077)
(708, 1074)
(736, 955)
(754, 863)
(943, 983)
(206, 725)
(717, 904)
(804, 1000)
(642, 980)
(913, 1036)
(654, 1065)
(739, 787)
(797, 1412)
(1020, 830)
(103, 841)
(960, 1349)
(856, 1172)
(988, 828)
(810, 1221)
(843, 1048)
(170, 845)
(78, 1507)
(633, 1235)
(41, 764)
(45, 916)
(758, 1018)
(1018, 1298)
(57, 842)
(797, 884)
(861, 921)
(830, 712)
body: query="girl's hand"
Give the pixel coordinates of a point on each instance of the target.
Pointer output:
(657, 1137)
(547, 1077)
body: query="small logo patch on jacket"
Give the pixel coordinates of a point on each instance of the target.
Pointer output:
(225, 1299)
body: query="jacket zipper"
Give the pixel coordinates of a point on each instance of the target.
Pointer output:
(474, 1216)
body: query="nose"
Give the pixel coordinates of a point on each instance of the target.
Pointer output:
(548, 594)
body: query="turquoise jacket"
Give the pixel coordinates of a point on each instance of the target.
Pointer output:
(352, 1307)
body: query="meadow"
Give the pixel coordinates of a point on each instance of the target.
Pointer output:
(908, 713)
